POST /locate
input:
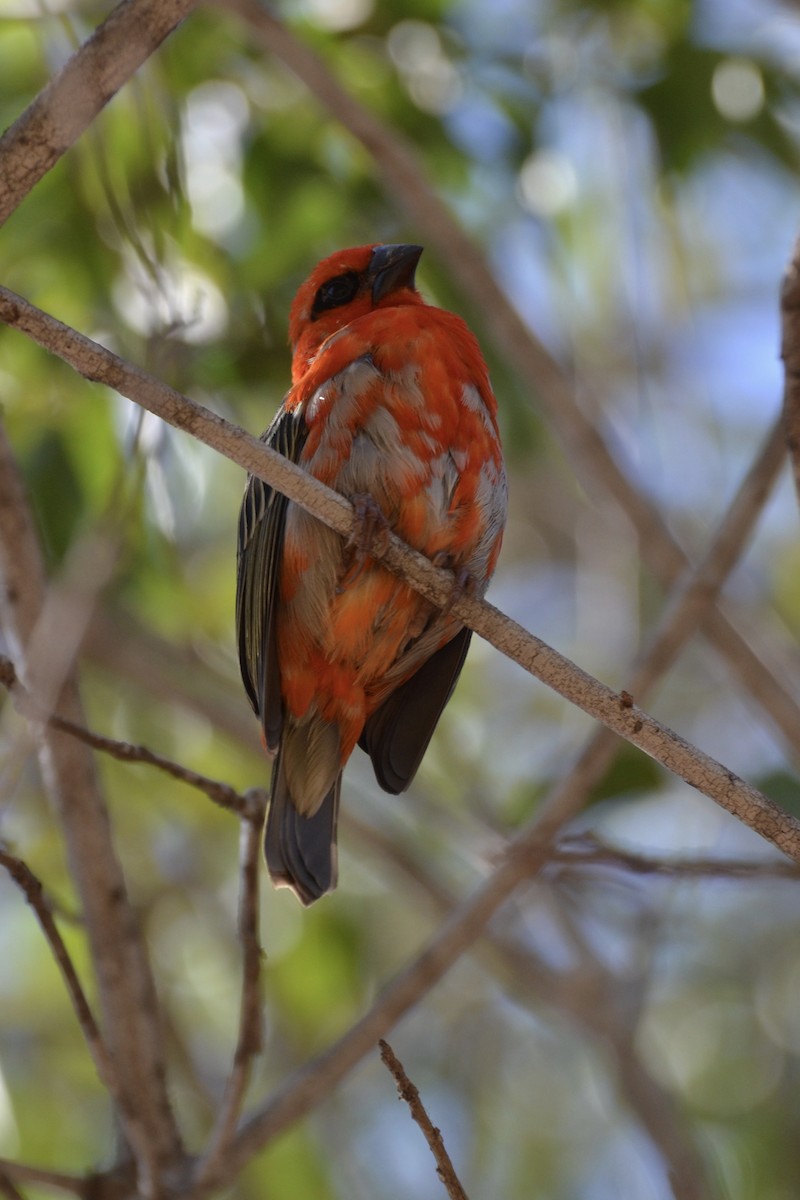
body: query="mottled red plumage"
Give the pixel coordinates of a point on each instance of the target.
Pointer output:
(391, 399)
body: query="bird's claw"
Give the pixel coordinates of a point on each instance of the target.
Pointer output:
(370, 532)
(464, 584)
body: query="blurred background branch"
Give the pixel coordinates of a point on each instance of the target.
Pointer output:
(63, 110)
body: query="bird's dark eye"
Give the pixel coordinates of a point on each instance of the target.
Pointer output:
(335, 292)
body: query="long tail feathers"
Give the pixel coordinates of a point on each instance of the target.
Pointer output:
(301, 851)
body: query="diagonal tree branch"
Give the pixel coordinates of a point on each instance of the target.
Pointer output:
(409, 1092)
(126, 988)
(406, 183)
(34, 893)
(70, 102)
(616, 711)
(240, 729)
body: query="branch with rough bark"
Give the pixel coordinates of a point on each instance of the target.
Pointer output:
(409, 1092)
(615, 710)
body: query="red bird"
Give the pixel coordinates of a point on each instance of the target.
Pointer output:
(390, 404)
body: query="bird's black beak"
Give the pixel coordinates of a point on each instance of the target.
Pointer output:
(392, 267)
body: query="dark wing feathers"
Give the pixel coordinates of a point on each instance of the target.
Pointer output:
(396, 736)
(262, 519)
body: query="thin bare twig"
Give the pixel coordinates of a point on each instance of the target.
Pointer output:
(33, 891)
(70, 102)
(408, 1092)
(250, 1042)
(590, 850)
(404, 178)
(552, 668)
(220, 793)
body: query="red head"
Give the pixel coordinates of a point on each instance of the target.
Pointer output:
(345, 286)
